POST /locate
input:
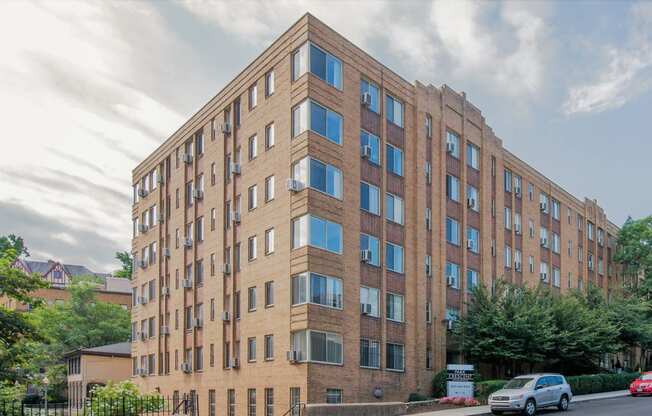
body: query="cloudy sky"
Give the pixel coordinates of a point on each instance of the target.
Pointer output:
(87, 89)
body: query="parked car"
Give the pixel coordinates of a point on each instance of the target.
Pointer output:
(526, 394)
(642, 385)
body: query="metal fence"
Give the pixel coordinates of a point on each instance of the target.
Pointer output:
(119, 406)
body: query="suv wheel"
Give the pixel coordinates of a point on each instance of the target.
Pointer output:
(563, 403)
(530, 408)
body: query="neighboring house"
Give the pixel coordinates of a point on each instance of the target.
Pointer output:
(90, 367)
(59, 275)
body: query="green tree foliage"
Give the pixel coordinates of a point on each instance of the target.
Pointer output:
(124, 399)
(634, 253)
(127, 265)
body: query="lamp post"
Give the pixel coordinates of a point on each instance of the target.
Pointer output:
(46, 381)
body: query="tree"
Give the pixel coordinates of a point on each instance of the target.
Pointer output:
(124, 399)
(127, 265)
(634, 253)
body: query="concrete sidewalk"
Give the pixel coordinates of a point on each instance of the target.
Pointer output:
(484, 410)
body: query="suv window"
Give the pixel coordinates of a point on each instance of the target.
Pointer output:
(545, 381)
(559, 380)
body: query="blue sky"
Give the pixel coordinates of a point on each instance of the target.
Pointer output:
(91, 88)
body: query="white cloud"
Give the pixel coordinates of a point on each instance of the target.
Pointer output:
(626, 74)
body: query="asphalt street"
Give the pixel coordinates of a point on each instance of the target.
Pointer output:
(621, 406)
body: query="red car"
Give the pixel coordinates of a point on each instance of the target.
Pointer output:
(642, 385)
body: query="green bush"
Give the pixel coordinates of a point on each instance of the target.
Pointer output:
(439, 384)
(484, 388)
(417, 397)
(599, 383)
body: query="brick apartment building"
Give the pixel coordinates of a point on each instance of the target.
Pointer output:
(310, 234)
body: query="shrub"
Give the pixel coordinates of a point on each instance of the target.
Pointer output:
(123, 399)
(484, 388)
(417, 397)
(471, 402)
(599, 383)
(439, 384)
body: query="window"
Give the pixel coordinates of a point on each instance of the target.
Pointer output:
(199, 358)
(531, 264)
(318, 175)
(543, 269)
(317, 232)
(251, 349)
(473, 198)
(453, 144)
(556, 243)
(251, 299)
(367, 87)
(333, 396)
(320, 63)
(394, 110)
(253, 96)
(369, 242)
(394, 310)
(269, 294)
(369, 296)
(394, 257)
(251, 402)
(543, 203)
(508, 218)
(269, 83)
(555, 209)
(508, 180)
(453, 188)
(517, 185)
(369, 353)
(530, 191)
(253, 147)
(428, 126)
(269, 241)
(252, 248)
(600, 236)
(269, 402)
(589, 230)
(508, 257)
(395, 357)
(472, 279)
(199, 229)
(269, 188)
(556, 277)
(452, 231)
(269, 347)
(473, 156)
(319, 119)
(517, 259)
(199, 272)
(230, 402)
(473, 239)
(517, 222)
(317, 346)
(453, 275)
(252, 194)
(543, 235)
(213, 218)
(211, 403)
(370, 147)
(318, 289)
(530, 225)
(394, 160)
(369, 198)
(394, 208)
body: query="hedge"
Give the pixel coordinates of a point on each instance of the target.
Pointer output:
(484, 388)
(599, 383)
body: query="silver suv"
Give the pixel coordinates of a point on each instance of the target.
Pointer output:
(526, 394)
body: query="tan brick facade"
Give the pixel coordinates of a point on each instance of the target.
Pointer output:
(449, 111)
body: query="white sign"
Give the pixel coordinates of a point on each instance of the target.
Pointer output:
(460, 380)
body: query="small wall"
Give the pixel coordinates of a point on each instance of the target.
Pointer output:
(357, 409)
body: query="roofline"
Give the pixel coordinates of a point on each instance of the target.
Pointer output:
(82, 351)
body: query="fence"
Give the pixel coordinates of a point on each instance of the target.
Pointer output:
(120, 406)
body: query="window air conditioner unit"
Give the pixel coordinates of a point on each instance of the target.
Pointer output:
(365, 99)
(365, 308)
(544, 242)
(450, 281)
(428, 270)
(143, 228)
(142, 192)
(294, 185)
(165, 330)
(543, 206)
(143, 300)
(226, 269)
(226, 317)
(543, 276)
(517, 229)
(469, 244)
(187, 158)
(365, 151)
(236, 217)
(198, 194)
(449, 324)
(517, 190)
(450, 147)
(186, 367)
(470, 202)
(142, 264)
(293, 356)
(197, 323)
(187, 283)
(165, 291)
(365, 256)
(187, 242)
(235, 362)
(235, 168)
(142, 336)
(226, 128)
(517, 266)
(166, 252)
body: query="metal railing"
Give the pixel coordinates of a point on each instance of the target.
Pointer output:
(297, 409)
(119, 406)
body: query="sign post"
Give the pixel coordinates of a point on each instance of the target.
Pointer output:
(460, 380)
